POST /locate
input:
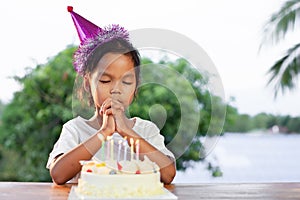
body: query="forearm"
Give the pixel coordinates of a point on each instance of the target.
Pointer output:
(67, 165)
(166, 164)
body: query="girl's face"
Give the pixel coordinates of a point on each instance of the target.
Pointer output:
(114, 77)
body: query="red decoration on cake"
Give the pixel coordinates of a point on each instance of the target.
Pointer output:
(89, 170)
(119, 166)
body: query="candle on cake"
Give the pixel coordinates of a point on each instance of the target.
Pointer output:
(107, 147)
(111, 148)
(125, 149)
(119, 150)
(137, 149)
(102, 151)
(131, 149)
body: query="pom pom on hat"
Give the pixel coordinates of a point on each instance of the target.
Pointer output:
(70, 8)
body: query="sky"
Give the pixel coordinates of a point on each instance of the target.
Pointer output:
(229, 31)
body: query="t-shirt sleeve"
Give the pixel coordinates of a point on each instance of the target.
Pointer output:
(152, 135)
(158, 141)
(68, 139)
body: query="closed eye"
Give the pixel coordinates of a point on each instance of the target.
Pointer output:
(127, 82)
(103, 81)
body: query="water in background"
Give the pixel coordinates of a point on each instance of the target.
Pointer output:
(253, 157)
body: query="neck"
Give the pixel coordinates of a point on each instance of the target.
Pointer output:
(95, 121)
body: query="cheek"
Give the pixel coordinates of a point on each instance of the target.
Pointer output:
(99, 96)
(131, 95)
(131, 98)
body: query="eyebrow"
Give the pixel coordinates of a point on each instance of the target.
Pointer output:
(128, 75)
(110, 75)
(104, 74)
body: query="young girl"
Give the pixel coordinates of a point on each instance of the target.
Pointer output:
(109, 66)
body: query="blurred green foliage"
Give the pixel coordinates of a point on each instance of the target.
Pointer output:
(31, 123)
(241, 123)
(173, 95)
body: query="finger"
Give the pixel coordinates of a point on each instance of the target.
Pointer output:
(108, 111)
(106, 104)
(117, 106)
(98, 110)
(106, 101)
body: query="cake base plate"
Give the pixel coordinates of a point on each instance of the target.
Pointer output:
(75, 196)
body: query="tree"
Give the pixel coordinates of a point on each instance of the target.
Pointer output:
(293, 125)
(284, 72)
(260, 121)
(170, 89)
(32, 121)
(2, 105)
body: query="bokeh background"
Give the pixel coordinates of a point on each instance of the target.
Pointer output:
(37, 77)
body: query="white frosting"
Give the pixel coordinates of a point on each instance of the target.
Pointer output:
(120, 185)
(129, 167)
(125, 179)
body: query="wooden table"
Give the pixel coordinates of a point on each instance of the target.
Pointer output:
(264, 191)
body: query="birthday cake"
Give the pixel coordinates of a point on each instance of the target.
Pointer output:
(124, 179)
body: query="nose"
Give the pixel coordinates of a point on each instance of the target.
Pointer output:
(116, 88)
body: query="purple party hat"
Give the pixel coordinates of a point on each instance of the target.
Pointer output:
(84, 27)
(91, 36)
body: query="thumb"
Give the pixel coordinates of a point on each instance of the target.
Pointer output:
(99, 111)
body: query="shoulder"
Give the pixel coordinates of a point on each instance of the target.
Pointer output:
(77, 125)
(78, 129)
(142, 123)
(145, 127)
(75, 122)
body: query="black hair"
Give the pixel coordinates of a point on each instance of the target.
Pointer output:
(120, 46)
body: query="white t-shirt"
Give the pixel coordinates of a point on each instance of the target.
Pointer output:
(77, 131)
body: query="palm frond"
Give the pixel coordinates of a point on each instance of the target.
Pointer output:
(285, 71)
(281, 22)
